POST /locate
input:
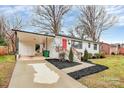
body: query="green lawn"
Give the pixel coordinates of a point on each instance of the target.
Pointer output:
(7, 63)
(7, 58)
(112, 77)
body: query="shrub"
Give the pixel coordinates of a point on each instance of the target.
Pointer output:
(94, 57)
(85, 58)
(82, 59)
(62, 56)
(97, 55)
(2, 42)
(112, 53)
(71, 55)
(90, 55)
(102, 55)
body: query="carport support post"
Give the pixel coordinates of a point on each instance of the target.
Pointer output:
(46, 42)
(16, 41)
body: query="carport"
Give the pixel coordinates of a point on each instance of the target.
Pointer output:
(27, 41)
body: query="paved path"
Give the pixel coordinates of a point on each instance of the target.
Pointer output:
(76, 68)
(24, 76)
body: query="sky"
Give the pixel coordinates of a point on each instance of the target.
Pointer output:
(113, 35)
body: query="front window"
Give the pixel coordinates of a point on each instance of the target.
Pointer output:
(95, 46)
(77, 44)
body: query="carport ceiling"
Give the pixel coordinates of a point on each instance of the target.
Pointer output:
(29, 37)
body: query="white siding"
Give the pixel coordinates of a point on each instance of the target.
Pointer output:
(57, 41)
(91, 49)
(51, 48)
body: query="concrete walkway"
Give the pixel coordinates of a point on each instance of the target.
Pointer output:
(78, 67)
(24, 75)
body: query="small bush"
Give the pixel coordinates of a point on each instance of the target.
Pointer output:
(2, 42)
(71, 55)
(90, 55)
(94, 57)
(85, 58)
(62, 56)
(97, 55)
(102, 55)
(82, 59)
(112, 53)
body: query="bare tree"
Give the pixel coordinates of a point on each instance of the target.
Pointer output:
(72, 32)
(16, 24)
(94, 20)
(78, 31)
(2, 27)
(7, 33)
(49, 17)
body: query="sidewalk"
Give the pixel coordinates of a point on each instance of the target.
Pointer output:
(78, 67)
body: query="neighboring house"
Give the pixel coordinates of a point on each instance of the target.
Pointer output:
(121, 51)
(26, 44)
(114, 49)
(105, 48)
(121, 45)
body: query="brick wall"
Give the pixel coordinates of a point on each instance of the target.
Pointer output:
(121, 51)
(105, 48)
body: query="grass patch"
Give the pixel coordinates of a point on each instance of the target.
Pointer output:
(112, 77)
(7, 58)
(7, 63)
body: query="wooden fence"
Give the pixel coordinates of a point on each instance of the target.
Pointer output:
(3, 50)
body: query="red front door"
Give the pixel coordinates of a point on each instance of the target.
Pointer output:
(64, 43)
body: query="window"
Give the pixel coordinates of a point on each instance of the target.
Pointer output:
(88, 45)
(77, 44)
(95, 46)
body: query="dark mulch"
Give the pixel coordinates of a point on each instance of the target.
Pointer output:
(87, 71)
(61, 65)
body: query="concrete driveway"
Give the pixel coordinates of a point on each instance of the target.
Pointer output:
(40, 74)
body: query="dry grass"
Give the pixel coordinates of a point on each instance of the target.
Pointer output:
(6, 68)
(112, 77)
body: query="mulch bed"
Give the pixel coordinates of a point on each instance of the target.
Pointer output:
(64, 64)
(87, 71)
(80, 73)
